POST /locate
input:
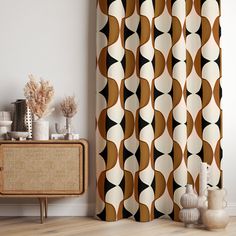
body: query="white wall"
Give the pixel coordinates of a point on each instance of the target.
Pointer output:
(228, 23)
(56, 40)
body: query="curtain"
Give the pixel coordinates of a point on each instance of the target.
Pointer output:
(158, 104)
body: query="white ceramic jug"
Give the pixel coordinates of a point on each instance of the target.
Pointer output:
(215, 217)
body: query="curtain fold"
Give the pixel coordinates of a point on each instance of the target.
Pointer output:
(158, 104)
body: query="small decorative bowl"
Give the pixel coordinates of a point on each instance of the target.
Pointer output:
(17, 135)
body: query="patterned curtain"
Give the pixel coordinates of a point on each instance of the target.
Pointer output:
(158, 104)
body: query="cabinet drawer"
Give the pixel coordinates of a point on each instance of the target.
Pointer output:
(41, 169)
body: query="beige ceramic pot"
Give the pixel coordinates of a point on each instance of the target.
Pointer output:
(215, 217)
(40, 130)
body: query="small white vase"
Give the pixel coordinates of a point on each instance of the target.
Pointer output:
(189, 215)
(40, 130)
(215, 217)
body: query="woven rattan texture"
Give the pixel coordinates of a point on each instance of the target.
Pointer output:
(47, 169)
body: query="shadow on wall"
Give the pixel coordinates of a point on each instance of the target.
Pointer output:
(91, 101)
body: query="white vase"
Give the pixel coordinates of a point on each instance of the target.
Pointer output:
(215, 217)
(202, 190)
(40, 130)
(189, 215)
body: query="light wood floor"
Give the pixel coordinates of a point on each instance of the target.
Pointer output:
(78, 226)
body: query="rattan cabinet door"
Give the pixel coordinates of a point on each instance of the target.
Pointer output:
(41, 169)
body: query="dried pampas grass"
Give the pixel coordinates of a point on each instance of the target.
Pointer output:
(69, 107)
(38, 96)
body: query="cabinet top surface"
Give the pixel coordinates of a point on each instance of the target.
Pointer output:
(43, 142)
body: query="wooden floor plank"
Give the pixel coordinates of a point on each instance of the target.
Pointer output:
(85, 226)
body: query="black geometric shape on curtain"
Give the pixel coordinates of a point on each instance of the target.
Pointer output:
(220, 92)
(122, 183)
(171, 153)
(218, 123)
(138, 92)
(124, 2)
(102, 214)
(199, 31)
(141, 2)
(103, 154)
(200, 92)
(104, 92)
(138, 30)
(137, 215)
(171, 92)
(218, 61)
(106, 30)
(109, 2)
(189, 154)
(221, 153)
(153, 185)
(138, 154)
(126, 153)
(174, 61)
(188, 33)
(157, 93)
(219, 185)
(123, 62)
(176, 185)
(157, 32)
(157, 214)
(126, 213)
(153, 123)
(205, 123)
(109, 123)
(204, 61)
(108, 185)
(172, 215)
(175, 123)
(127, 32)
(122, 123)
(127, 93)
(142, 123)
(157, 154)
(188, 92)
(142, 60)
(110, 60)
(173, 1)
(201, 154)
(141, 185)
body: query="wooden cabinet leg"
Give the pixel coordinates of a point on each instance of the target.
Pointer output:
(46, 207)
(41, 203)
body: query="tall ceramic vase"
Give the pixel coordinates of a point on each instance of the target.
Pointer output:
(40, 129)
(215, 217)
(189, 215)
(203, 176)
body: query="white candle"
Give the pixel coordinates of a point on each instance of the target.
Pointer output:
(203, 178)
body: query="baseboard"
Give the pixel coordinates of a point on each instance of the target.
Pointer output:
(53, 209)
(231, 208)
(65, 209)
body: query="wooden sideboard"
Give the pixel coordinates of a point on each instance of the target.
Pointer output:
(43, 169)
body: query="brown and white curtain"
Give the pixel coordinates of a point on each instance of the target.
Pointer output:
(158, 104)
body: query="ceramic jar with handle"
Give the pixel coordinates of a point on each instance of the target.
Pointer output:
(215, 217)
